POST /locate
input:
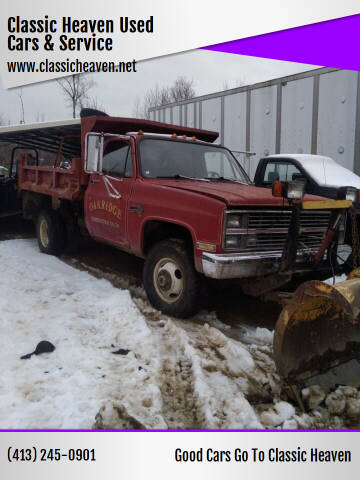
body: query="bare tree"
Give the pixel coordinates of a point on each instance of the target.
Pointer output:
(153, 97)
(75, 89)
(137, 108)
(4, 120)
(227, 85)
(39, 117)
(93, 102)
(181, 89)
(19, 92)
(240, 81)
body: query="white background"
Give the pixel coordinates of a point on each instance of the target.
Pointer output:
(177, 27)
(139, 455)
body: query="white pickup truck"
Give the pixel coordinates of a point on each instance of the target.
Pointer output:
(323, 175)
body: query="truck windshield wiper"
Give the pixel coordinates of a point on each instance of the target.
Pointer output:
(184, 177)
(224, 179)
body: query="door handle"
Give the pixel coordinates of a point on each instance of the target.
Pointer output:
(136, 209)
(94, 180)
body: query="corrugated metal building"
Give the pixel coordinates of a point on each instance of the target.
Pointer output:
(311, 112)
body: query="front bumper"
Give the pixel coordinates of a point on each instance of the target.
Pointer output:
(239, 265)
(246, 265)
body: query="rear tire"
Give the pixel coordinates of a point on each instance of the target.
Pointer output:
(50, 231)
(171, 282)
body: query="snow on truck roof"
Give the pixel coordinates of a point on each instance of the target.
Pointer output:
(303, 158)
(48, 136)
(324, 170)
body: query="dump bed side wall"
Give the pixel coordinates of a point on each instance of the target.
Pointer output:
(57, 182)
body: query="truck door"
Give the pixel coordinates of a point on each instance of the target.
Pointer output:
(109, 188)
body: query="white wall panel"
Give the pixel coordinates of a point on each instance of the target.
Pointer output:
(235, 126)
(296, 116)
(167, 115)
(211, 115)
(262, 124)
(190, 115)
(176, 115)
(337, 112)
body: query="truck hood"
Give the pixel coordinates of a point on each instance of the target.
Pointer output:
(232, 194)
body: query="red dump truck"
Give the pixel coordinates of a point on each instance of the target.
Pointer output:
(172, 196)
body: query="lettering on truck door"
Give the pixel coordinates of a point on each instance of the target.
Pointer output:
(108, 192)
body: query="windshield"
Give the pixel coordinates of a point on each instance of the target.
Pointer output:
(172, 159)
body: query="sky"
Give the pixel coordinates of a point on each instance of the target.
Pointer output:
(117, 92)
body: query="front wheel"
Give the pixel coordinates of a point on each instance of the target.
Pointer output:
(171, 282)
(50, 233)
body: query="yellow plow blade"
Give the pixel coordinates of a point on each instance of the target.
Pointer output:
(326, 204)
(317, 335)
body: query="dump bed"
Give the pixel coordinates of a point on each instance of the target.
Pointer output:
(54, 181)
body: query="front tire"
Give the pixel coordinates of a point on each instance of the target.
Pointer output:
(50, 232)
(171, 282)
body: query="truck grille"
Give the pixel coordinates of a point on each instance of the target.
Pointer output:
(267, 230)
(273, 219)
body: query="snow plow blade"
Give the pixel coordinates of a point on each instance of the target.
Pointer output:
(317, 335)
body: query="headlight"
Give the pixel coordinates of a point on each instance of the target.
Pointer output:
(351, 194)
(232, 241)
(234, 221)
(295, 190)
(347, 193)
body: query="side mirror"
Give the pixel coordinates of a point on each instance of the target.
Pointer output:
(94, 143)
(299, 176)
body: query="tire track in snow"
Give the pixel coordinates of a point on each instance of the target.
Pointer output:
(176, 376)
(204, 377)
(203, 383)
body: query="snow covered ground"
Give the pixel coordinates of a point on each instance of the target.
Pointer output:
(86, 319)
(177, 374)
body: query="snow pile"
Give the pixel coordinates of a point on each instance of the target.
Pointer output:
(258, 335)
(87, 319)
(221, 368)
(336, 409)
(281, 412)
(313, 396)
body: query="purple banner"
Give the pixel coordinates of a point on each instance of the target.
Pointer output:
(334, 43)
